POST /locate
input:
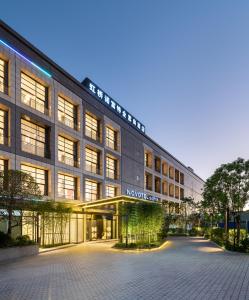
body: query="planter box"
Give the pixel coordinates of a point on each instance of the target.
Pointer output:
(10, 253)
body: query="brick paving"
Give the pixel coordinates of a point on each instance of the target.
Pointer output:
(189, 268)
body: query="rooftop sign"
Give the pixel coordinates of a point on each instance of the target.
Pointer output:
(100, 95)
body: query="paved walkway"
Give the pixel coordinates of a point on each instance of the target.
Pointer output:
(189, 268)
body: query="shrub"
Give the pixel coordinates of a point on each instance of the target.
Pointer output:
(5, 240)
(245, 244)
(23, 240)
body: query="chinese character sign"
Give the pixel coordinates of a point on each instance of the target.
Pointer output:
(113, 105)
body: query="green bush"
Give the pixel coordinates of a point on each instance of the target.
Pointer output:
(137, 245)
(23, 240)
(245, 244)
(5, 240)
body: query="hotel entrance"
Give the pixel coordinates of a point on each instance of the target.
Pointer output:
(100, 227)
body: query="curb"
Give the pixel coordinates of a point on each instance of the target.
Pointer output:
(45, 250)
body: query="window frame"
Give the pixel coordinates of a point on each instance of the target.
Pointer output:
(45, 185)
(4, 76)
(92, 160)
(111, 167)
(66, 185)
(92, 127)
(33, 88)
(66, 152)
(64, 108)
(89, 191)
(111, 139)
(28, 134)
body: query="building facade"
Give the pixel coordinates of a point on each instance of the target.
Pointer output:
(79, 144)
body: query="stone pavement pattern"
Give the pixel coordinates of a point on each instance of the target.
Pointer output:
(188, 268)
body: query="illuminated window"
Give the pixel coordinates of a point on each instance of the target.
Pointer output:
(171, 190)
(177, 175)
(33, 138)
(3, 127)
(3, 165)
(148, 181)
(171, 172)
(110, 191)
(92, 190)
(67, 187)
(111, 138)
(67, 151)
(158, 164)
(181, 193)
(111, 167)
(181, 178)
(177, 192)
(67, 113)
(40, 176)
(92, 127)
(34, 94)
(148, 159)
(3, 76)
(92, 161)
(157, 185)
(165, 187)
(165, 168)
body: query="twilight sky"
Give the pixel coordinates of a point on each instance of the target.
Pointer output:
(181, 67)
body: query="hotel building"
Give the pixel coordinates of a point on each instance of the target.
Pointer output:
(80, 145)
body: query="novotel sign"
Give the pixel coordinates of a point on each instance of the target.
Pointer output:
(141, 195)
(112, 104)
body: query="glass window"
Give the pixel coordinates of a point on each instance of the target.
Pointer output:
(67, 187)
(92, 161)
(3, 165)
(34, 94)
(171, 172)
(110, 191)
(148, 159)
(165, 168)
(33, 138)
(181, 178)
(157, 185)
(3, 76)
(171, 190)
(3, 127)
(92, 128)
(181, 193)
(67, 113)
(148, 181)
(40, 176)
(111, 138)
(111, 167)
(177, 192)
(91, 190)
(177, 175)
(158, 164)
(67, 151)
(165, 187)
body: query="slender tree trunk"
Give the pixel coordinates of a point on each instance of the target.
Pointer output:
(226, 225)
(238, 229)
(9, 220)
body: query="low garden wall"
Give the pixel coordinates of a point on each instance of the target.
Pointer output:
(7, 254)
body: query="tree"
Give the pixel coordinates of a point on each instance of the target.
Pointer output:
(16, 187)
(227, 190)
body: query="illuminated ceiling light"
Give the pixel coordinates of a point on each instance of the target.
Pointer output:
(32, 63)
